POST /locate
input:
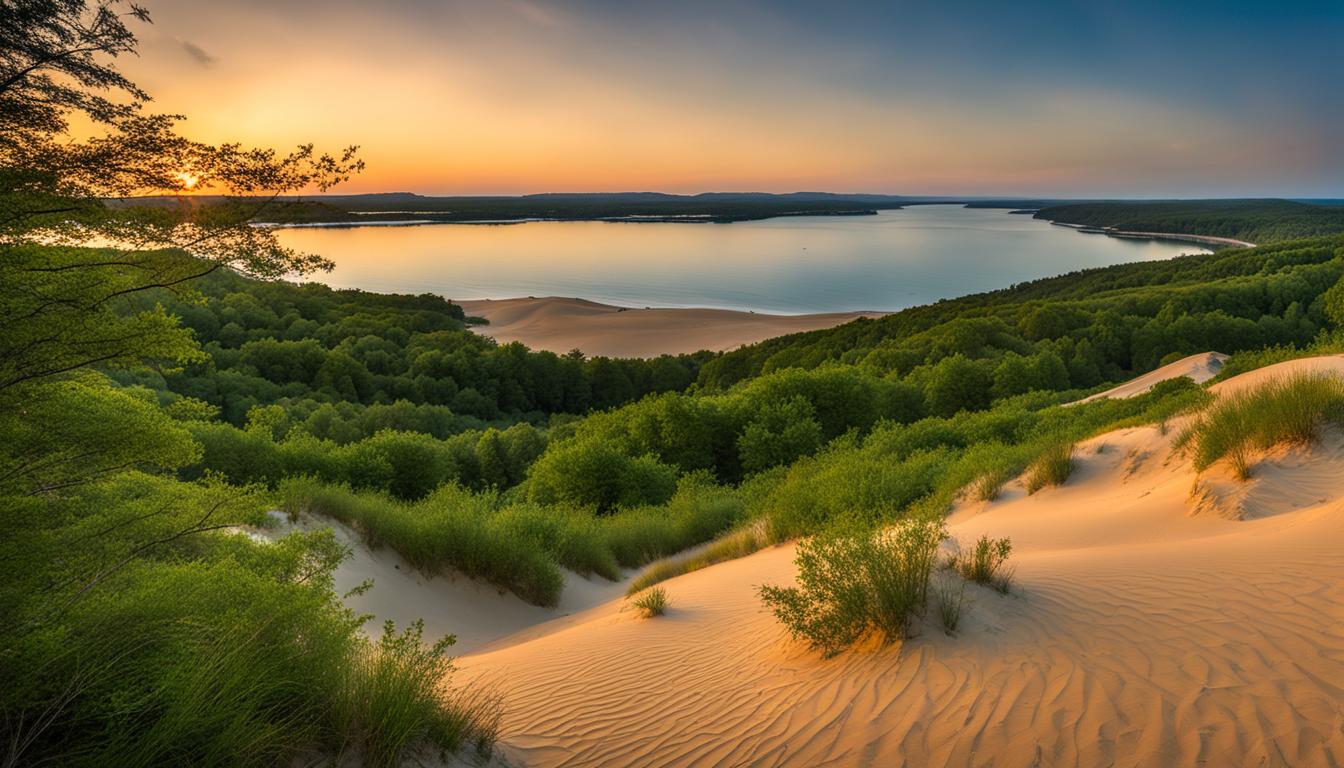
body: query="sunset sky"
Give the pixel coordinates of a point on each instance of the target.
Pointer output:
(517, 96)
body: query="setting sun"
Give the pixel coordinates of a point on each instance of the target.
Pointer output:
(188, 180)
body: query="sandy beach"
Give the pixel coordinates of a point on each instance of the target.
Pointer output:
(1149, 626)
(562, 324)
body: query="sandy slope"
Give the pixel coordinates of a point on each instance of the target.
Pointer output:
(1200, 367)
(476, 612)
(560, 325)
(1149, 628)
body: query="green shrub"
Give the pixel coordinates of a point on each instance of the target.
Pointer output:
(598, 475)
(652, 603)
(853, 582)
(698, 512)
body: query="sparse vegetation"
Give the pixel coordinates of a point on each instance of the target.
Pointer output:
(653, 602)
(1290, 409)
(950, 597)
(985, 563)
(1052, 467)
(856, 581)
(728, 547)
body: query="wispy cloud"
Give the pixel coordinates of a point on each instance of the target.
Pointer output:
(197, 53)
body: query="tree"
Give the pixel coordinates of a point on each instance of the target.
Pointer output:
(957, 383)
(58, 298)
(780, 434)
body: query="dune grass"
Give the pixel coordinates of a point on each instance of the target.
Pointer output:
(394, 697)
(1052, 466)
(731, 546)
(985, 563)
(949, 595)
(519, 546)
(652, 602)
(1290, 409)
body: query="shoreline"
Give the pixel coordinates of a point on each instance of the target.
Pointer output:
(1179, 237)
(561, 324)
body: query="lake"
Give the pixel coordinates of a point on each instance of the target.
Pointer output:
(792, 265)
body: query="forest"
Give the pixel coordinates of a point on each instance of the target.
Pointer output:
(719, 208)
(1253, 221)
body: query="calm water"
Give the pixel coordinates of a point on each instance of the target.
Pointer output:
(892, 260)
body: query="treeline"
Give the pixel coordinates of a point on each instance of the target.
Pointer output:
(306, 346)
(718, 207)
(1103, 324)
(1254, 221)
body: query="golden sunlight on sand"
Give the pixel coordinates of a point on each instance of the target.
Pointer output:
(1149, 627)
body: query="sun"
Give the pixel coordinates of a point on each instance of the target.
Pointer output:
(188, 180)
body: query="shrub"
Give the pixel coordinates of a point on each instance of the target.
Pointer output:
(984, 563)
(596, 474)
(779, 434)
(1051, 467)
(698, 511)
(652, 603)
(856, 581)
(1291, 409)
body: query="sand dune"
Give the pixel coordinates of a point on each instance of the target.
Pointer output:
(476, 612)
(1200, 367)
(560, 325)
(1144, 631)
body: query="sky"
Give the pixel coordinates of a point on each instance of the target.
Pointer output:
(1081, 99)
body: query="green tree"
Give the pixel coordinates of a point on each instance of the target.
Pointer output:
(780, 434)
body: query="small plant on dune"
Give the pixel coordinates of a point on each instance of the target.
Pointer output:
(652, 603)
(1289, 410)
(985, 563)
(1052, 467)
(949, 594)
(853, 581)
(987, 486)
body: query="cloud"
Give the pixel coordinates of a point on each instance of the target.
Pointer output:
(197, 53)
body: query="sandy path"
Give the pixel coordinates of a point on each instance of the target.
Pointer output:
(1141, 634)
(561, 324)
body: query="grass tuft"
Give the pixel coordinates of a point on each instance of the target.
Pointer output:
(1288, 410)
(652, 603)
(1052, 467)
(950, 597)
(985, 563)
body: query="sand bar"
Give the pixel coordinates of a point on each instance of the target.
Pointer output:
(562, 324)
